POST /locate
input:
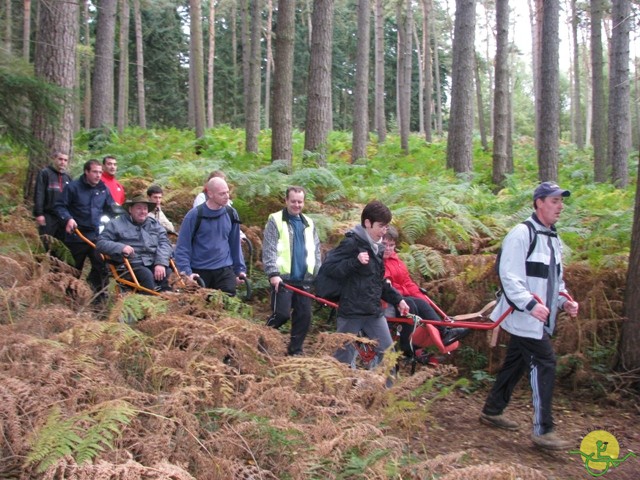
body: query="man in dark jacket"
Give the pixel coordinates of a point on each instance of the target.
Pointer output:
(81, 207)
(142, 240)
(357, 262)
(50, 183)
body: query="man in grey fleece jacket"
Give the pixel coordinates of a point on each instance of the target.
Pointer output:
(532, 283)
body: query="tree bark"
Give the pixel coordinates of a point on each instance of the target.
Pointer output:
(55, 62)
(628, 351)
(26, 30)
(8, 32)
(282, 106)
(86, 65)
(380, 120)
(598, 125)
(577, 107)
(210, 61)
(196, 64)
(481, 123)
(123, 67)
(405, 20)
(140, 93)
(102, 79)
(319, 104)
(436, 76)
(549, 101)
(361, 92)
(460, 140)
(269, 66)
(252, 97)
(501, 127)
(619, 122)
(427, 69)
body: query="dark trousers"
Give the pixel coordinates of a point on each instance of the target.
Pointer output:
(52, 228)
(219, 279)
(536, 357)
(145, 278)
(420, 307)
(98, 277)
(286, 304)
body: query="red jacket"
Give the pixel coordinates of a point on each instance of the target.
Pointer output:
(398, 273)
(116, 189)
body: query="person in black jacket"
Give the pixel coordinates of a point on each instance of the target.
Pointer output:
(81, 207)
(50, 183)
(357, 262)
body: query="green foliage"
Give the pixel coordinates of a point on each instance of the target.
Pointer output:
(358, 466)
(82, 436)
(423, 259)
(20, 93)
(134, 308)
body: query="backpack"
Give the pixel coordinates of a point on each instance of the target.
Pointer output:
(230, 211)
(325, 286)
(533, 238)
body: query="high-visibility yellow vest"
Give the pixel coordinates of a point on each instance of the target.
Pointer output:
(283, 260)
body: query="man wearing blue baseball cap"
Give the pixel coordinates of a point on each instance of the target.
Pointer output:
(530, 270)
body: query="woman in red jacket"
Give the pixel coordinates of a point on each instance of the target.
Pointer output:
(397, 273)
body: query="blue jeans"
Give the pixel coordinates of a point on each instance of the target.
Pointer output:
(373, 328)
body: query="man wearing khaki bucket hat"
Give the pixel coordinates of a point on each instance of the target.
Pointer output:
(142, 240)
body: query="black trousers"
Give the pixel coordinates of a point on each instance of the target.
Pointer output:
(53, 227)
(536, 357)
(219, 279)
(290, 305)
(145, 278)
(98, 277)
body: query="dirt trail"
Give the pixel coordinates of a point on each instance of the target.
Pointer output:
(454, 426)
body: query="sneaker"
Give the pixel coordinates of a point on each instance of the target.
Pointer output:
(498, 421)
(550, 441)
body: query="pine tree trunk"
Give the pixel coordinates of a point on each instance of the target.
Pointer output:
(269, 66)
(599, 127)
(123, 67)
(26, 30)
(577, 107)
(427, 68)
(549, 102)
(142, 111)
(210, 61)
(619, 123)
(405, 20)
(102, 79)
(460, 139)
(501, 127)
(55, 62)
(380, 120)
(196, 65)
(252, 97)
(282, 106)
(628, 351)
(86, 66)
(481, 123)
(319, 104)
(361, 92)
(436, 76)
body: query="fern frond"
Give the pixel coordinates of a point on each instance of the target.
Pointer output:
(424, 259)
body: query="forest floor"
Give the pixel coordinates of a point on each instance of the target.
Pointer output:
(454, 426)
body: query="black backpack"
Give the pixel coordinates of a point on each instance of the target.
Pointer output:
(325, 286)
(533, 238)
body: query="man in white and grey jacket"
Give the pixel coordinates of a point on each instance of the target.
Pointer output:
(531, 275)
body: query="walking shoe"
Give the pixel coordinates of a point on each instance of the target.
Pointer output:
(451, 335)
(550, 441)
(498, 421)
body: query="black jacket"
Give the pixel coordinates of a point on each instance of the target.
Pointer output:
(48, 188)
(362, 285)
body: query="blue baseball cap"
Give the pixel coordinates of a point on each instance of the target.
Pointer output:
(549, 189)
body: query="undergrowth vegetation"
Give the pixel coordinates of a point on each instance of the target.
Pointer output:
(195, 386)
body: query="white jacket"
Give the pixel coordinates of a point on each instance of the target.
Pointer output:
(522, 277)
